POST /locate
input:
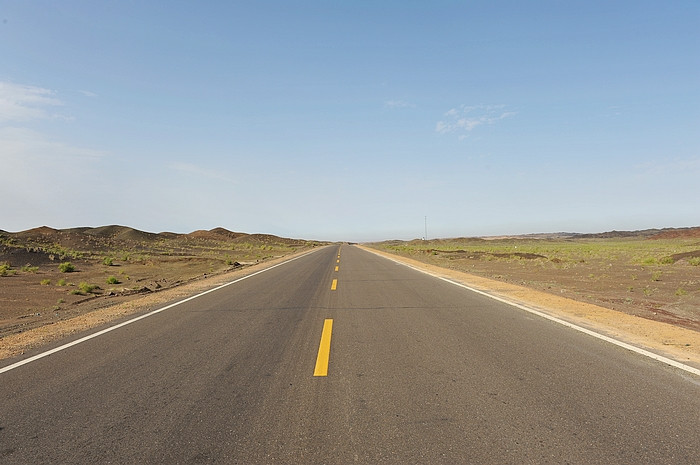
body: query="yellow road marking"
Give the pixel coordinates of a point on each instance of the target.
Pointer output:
(337, 261)
(336, 268)
(324, 349)
(334, 284)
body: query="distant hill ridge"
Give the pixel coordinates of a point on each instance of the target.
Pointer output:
(216, 234)
(72, 237)
(653, 234)
(112, 234)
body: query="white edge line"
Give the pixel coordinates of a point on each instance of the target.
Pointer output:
(603, 337)
(141, 317)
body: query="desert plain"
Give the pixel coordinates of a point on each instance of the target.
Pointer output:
(49, 275)
(54, 283)
(653, 274)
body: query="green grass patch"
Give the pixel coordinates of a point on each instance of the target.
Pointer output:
(557, 251)
(45, 282)
(112, 280)
(30, 269)
(66, 267)
(84, 289)
(6, 270)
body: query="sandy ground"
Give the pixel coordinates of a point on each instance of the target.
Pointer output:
(671, 341)
(677, 343)
(112, 265)
(17, 344)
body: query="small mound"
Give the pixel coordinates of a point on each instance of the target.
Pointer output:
(226, 233)
(135, 235)
(685, 255)
(101, 237)
(169, 235)
(42, 232)
(203, 234)
(109, 231)
(268, 239)
(18, 257)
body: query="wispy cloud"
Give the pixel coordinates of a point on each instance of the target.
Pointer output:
(87, 93)
(42, 176)
(19, 103)
(27, 144)
(192, 169)
(19, 106)
(464, 119)
(32, 161)
(398, 104)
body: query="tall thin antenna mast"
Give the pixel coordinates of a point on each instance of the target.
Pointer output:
(426, 228)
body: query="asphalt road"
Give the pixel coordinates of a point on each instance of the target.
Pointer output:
(417, 371)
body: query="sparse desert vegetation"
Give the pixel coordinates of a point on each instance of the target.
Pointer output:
(653, 274)
(66, 267)
(84, 288)
(6, 270)
(129, 261)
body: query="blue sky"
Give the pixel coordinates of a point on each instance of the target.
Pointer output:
(350, 120)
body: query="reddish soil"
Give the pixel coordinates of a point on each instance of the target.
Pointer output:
(33, 292)
(681, 233)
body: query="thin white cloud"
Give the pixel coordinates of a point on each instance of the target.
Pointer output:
(26, 144)
(464, 119)
(19, 103)
(398, 104)
(87, 93)
(45, 180)
(192, 169)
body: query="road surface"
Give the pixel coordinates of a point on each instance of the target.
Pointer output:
(343, 357)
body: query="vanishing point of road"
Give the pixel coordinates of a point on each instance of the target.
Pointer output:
(338, 357)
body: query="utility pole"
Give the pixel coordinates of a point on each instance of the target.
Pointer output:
(426, 228)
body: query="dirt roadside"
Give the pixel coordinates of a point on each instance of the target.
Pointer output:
(671, 341)
(676, 343)
(50, 275)
(17, 344)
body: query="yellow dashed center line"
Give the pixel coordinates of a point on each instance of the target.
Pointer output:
(324, 349)
(336, 268)
(334, 285)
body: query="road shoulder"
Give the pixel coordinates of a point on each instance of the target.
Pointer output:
(18, 344)
(676, 343)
